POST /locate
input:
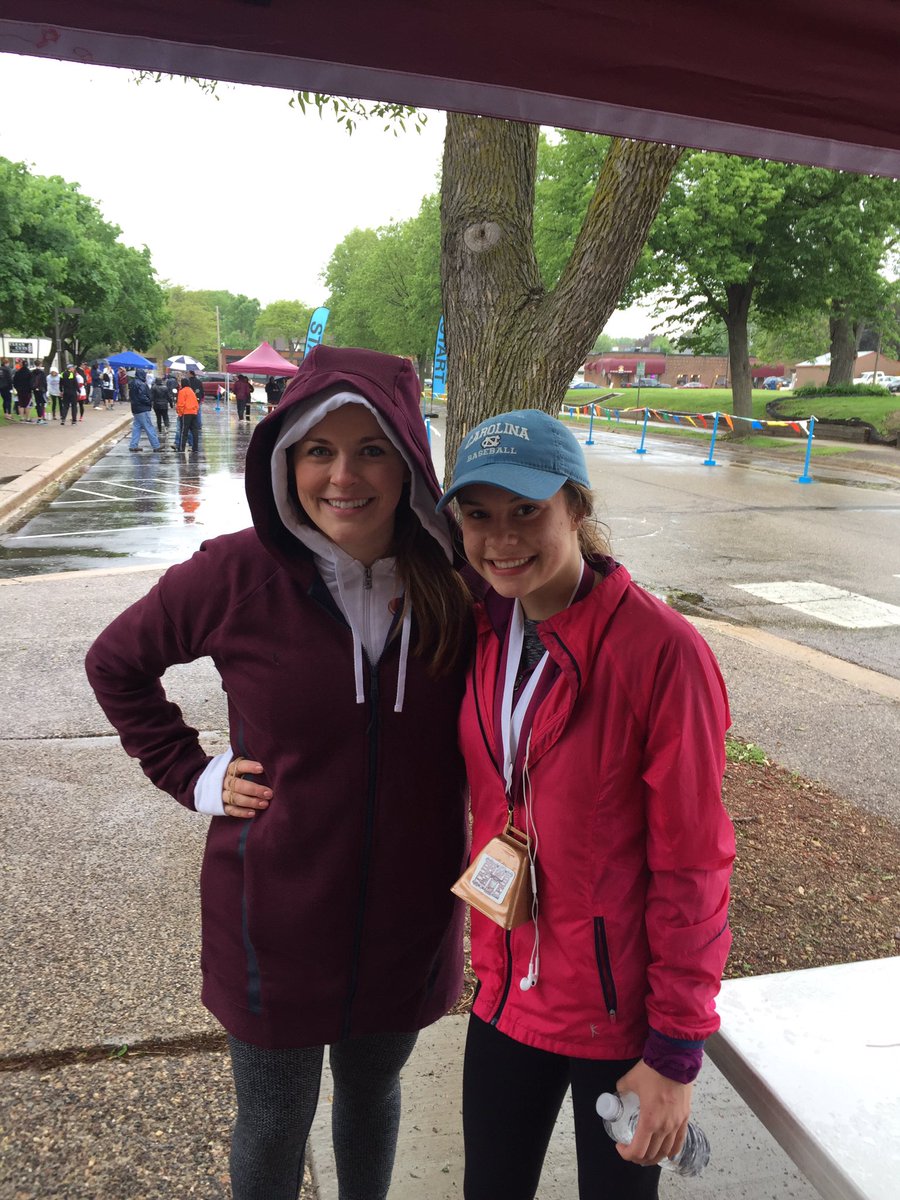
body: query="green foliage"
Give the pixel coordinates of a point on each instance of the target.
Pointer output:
(722, 222)
(189, 327)
(349, 112)
(284, 319)
(881, 409)
(811, 391)
(738, 751)
(237, 316)
(59, 252)
(792, 338)
(384, 285)
(568, 167)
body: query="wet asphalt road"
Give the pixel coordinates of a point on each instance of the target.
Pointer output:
(139, 509)
(697, 534)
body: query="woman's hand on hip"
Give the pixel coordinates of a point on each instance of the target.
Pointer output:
(663, 1120)
(242, 797)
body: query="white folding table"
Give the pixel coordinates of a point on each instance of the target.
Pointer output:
(816, 1055)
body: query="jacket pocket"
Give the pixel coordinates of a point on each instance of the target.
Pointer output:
(604, 968)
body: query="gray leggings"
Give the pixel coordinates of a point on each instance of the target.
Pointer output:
(277, 1093)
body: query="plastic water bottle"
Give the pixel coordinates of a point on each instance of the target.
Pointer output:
(620, 1118)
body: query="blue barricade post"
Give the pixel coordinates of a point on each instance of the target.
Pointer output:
(590, 436)
(641, 449)
(709, 461)
(806, 477)
(428, 429)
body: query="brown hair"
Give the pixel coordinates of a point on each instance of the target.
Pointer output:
(593, 537)
(432, 587)
(435, 592)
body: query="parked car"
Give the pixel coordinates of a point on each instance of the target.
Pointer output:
(647, 383)
(583, 383)
(694, 383)
(212, 382)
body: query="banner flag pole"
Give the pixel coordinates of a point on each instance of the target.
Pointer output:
(590, 436)
(641, 449)
(806, 477)
(709, 461)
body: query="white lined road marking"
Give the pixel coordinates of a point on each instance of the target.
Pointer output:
(70, 533)
(826, 603)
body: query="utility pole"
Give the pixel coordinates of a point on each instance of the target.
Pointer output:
(218, 342)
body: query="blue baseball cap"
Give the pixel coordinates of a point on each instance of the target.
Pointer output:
(527, 452)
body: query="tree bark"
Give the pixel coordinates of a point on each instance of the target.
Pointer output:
(739, 296)
(511, 344)
(844, 342)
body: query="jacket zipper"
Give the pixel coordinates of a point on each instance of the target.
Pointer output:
(254, 983)
(607, 982)
(509, 970)
(367, 850)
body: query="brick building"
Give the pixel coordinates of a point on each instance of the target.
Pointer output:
(816, 372)
(711, 370)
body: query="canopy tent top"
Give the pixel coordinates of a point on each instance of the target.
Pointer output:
(264, 360)
(809, 81)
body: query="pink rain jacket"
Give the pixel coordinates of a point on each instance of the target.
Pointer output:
(635, 847)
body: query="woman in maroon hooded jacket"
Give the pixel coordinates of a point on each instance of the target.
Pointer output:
(339, 627)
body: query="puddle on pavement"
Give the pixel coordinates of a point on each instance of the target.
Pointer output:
(148, 509)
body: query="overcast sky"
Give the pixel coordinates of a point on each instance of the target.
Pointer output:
(242, 192)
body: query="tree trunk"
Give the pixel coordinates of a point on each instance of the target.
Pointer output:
(739, 296)
(844, 341)
(510, 344)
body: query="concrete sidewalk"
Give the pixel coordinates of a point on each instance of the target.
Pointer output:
(35, 457)
(100, 926)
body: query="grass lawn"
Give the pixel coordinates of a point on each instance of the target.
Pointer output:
(790, 447)
(875, 409)
(691, 400)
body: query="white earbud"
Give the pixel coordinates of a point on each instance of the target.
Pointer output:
(529, 980)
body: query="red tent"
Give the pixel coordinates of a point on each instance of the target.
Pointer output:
(262, 361)
(811, 81)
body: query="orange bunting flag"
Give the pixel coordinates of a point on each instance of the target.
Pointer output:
(797, 427)
(728, 420)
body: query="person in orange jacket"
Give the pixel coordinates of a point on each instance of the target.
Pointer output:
(187, 406)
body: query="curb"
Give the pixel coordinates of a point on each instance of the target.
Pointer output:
(28, 486)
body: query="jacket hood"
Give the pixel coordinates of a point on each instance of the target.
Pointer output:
(141, 374)
(390, 385)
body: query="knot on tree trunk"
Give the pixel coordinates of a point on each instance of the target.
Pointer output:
(482, 236)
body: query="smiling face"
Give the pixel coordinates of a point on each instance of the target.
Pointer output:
(525, 549)
(349, 478)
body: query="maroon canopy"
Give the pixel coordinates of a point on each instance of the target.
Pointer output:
(805, 80)
(262, 361)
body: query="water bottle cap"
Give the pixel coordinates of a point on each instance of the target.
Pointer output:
(609, 1106)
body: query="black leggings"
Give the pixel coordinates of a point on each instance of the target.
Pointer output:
(277, 1093)
(512, 1095)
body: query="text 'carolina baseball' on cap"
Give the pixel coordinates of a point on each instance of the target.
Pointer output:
(527, 452)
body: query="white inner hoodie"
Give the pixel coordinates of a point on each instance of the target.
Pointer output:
(368, 597)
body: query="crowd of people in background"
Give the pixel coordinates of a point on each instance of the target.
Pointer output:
(33, 395)
(36, 396)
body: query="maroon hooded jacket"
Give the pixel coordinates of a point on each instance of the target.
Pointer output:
(329, 914)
